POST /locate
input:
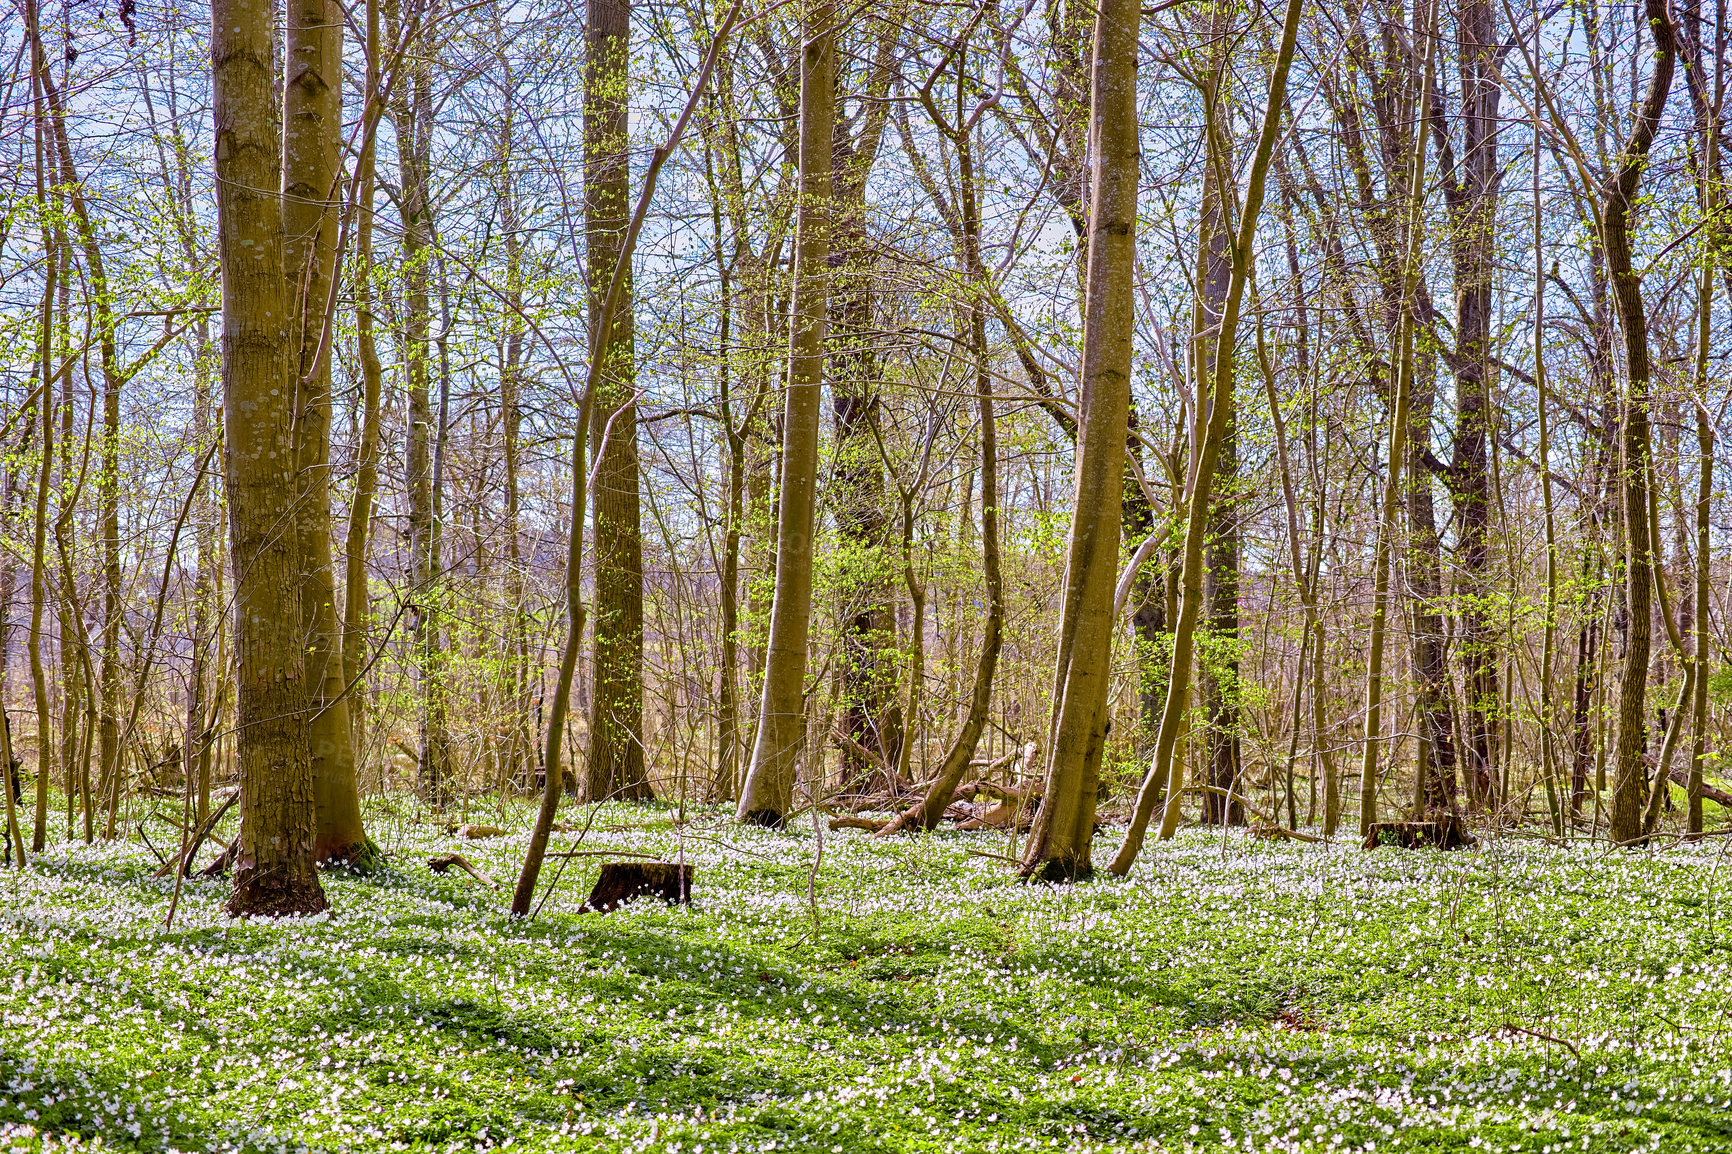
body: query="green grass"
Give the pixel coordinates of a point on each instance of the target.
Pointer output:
(1242, 995)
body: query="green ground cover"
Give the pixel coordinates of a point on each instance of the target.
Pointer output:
(1230, 994)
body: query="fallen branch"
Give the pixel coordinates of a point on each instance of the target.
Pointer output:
(1027, 792)
(1282, 833)
(160, 856)
(444, 862)
(1204, 787)
(220, 866)
(1511, 1026)
(1680, 774)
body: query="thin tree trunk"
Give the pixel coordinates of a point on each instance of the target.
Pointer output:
(768, 793)
(1059, 844)
(412, 114)
(1548, 637)
(926, 813)
(1630, 783)
(1167, 772)
(524, 893)
(312, 131)
(357, 608)
(52, 264)
(1219, 668)
(1397, 454)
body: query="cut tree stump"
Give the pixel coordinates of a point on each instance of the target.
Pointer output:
(621, 881)
(1445, 833)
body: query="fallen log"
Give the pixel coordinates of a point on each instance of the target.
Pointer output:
(1282, 833)
(866, 823)
(1026, 792)
(1680, 774)
(444, 862)
(925, 813)
(474, 832)
(1000, 816)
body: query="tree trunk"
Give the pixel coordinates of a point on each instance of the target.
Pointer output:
(925, 814)
(357, 608)
(768, 793)
(1167, 772)
(312, 140)
(1436, 720)
(615, 767)
(412, 114)
(1060, 842)
(1473, 210)
(1219, 668)
(275, 870)
(1619, 193)
(54, 266)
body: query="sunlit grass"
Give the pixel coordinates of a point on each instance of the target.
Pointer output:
(1241, 995)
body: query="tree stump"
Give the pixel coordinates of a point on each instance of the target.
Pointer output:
(621, 881)
(1445, 832)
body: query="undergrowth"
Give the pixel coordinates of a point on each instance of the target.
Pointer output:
(1229, 994)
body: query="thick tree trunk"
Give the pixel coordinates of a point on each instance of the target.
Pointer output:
(275, 870)
(1473, 210)
(865, 676)
(1436, 791)
(768, 794)
(615, 765)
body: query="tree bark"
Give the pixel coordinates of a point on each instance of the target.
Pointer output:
(614, 769)
(1472, 196)
(1618, 195)
(1167, 773)
(768, 793)
(412, 116)
(1219, 667)
(312, 140)
(357, 602)
(275, 870)
(1060, 842)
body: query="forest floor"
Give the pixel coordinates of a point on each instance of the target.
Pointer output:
(910, 995)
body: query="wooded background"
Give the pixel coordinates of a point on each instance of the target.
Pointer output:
(309, 364)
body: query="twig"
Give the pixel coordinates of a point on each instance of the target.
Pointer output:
(198, 838)
(1511, 1026)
